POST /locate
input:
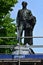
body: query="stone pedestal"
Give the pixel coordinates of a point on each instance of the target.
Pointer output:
(19, 49)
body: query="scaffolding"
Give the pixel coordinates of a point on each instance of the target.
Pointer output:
(34, 58)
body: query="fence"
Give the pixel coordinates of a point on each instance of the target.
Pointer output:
(32, 46)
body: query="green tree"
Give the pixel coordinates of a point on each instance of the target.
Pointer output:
(5, 8)
(7, 29)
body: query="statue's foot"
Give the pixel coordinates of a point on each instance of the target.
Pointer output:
(31, 51)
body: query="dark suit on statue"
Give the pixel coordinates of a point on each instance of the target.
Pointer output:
(26, 21)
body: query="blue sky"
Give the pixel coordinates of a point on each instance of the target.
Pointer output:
(36, 6)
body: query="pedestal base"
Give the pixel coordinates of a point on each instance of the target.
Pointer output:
(19, 49)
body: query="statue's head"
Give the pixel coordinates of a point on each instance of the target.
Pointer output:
(24, 4)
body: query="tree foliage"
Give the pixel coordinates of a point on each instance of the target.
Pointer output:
(7, 29)
(6, 6)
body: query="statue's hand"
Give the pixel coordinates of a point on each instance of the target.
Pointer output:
(18, 28)
(29, 26)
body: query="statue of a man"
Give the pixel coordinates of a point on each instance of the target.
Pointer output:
(25, 21)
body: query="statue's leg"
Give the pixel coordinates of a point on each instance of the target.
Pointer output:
(31, 39)
(27, 34)
(19, 34)
(21, 31)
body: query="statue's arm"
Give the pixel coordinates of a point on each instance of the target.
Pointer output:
(18, 19)
(32, 19)
(30, 13)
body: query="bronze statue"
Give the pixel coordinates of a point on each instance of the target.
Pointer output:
(25, 21)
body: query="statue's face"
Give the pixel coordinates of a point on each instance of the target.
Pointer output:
(24, 5)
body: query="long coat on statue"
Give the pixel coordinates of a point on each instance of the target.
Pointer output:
(26, 21)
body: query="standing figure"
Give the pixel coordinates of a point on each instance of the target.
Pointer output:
(25, 21)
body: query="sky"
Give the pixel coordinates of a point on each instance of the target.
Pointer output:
(36, 7)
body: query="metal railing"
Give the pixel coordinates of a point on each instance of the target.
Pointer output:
(12, 46)
(30, 46)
